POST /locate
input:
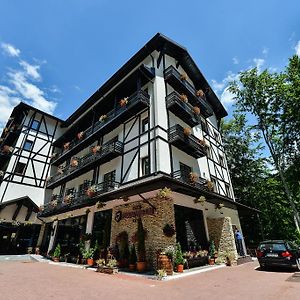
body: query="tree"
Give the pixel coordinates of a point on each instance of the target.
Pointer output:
(273, 98)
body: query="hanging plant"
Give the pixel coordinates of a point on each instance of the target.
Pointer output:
(96, 149)
(53, 203)
(60, 170)
(54, 156)
(7, 149)
(164, 193)
(103, 118)
(42, 208)
(100, 204)
(169, 230)
(210, 185)
(203, 143)
(125, 198)
(200, 93)
(183, 76)
(219, 205)
(66, 146)
(184, 98)
(80, 135)
(193, 177)
(200, 200)
(123, 102)
(187, 131)
(196, 110)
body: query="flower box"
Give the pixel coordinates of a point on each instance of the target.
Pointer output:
(107, 270)
(196, 261)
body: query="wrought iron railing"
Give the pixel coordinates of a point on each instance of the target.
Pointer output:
(140, 97)
(191, 179)
(112, 147)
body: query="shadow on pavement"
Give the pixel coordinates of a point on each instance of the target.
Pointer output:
(276, 270)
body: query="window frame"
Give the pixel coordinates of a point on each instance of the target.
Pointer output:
(146, 166)
(17, 166)
(31, 146)
(36, 127)
(145, 122)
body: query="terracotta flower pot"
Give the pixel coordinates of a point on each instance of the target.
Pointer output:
(211, 261)
(132, 267)
(141, 266)
(90, 193)
(180, 268)
(90, 261)
(55, 259)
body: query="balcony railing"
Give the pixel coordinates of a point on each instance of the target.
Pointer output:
(106, 153)
(185, 177)
(182, 110)
(187, 143)
(173, 77)
(114, 118)
(79, 199)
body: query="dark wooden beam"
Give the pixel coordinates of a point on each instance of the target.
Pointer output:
(29, 212)
(19, 206)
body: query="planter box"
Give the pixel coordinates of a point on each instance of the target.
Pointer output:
(197, 262)
(107, 270)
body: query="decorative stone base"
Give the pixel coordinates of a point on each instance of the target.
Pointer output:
(107, 270)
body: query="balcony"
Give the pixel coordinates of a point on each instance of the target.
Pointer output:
(187, 143)
(173, 77)
(108, 151)
(79, 199)
(185, 177)
(136, 102)
(182, 110)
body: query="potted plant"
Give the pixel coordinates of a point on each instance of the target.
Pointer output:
(169, 230)
(230, 258)
(122, 240)
(66, 146)
(196, 110)
(187, 131)
(179, 260)
(184, 98)
(96, 149)
(56, 253)
(202, 143)
(165, 259)
(200, 93)
(68, 198)
(193, 177)
(141, 249)
(91, 191)
(103, 118)
(210, 185)
(132, 258)
(123, 102)
(183, 76)
(74, 162)
(54, 156)
(80, 135)
(88, 254)
(211, 253)
(219, 205)
(7, 149)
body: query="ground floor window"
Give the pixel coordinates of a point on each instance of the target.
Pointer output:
(190, 230)
(101, 228)
(69, 234)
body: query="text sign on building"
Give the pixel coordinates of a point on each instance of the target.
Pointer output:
(133, 214)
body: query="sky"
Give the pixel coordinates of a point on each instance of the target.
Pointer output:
(55, 54)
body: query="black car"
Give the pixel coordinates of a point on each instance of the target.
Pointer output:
(278, 253)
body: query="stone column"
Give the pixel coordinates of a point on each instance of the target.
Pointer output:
(41, 235)
(53, 236)
(89, 226)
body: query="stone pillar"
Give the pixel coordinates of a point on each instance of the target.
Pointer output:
(53, 236)
(221, 232)
(89, 226)
(41, 235)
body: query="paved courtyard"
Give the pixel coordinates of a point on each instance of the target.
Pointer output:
(34, 280)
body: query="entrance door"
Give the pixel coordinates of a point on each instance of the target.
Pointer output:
(190, 230)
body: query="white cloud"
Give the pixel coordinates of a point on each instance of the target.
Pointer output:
(17, 85)
(227, 98)
(265, 51)
(217, 86)
(10, 50)
(297, 48)
(235, 60)
(31, 70)
(33, 94)
(259, 62)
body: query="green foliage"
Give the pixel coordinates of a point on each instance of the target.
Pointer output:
(132, 257)
(179, 260)
(141, 249)
(212, 249)
(57, 251)
(88, 253)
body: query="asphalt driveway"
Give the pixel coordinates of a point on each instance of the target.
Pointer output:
(33, 280)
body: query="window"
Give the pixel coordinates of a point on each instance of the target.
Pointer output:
(221, 160)
(20, 168)
(214, 181)
(185, 171)
(35, 124)
(208, 152)
(145, 125)
(227, 190)
(216, 135)
(28, 145)
(145, 166)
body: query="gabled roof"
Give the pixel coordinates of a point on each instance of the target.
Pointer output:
(158, 42)
(26, 201)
